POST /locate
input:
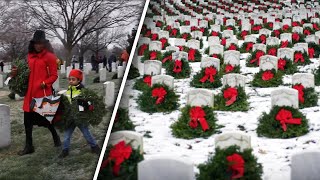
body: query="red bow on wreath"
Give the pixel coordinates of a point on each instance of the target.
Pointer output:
(257, 58)
(267, 75)
(232, 47)
(315, 26)
(311, 52)
(174, 32)
(300, 89)
(202, 29)
(214, 33)
(209, 73)
(158, 24)
(243, 34)
(185, 36)
(263, 38)
(256, 28)
(272, 51)
(249, 46)
(285, 27)
(236, 165)
(191, 54)
(306, 32)
(230, 94)
(142, 49)
(148, 33)
(169, 58)
(285, 117)
(177, 66)
(153, 55)
(270, 24)
(168, 28)
(163, 41)
(294, 24)
(154, 37)
(276, 33)
(198, 114)
(298, 57)
(159, 93)
(180, 48)
(282, 64)
(215, 56)
(284, 44)
(223, 41)
(147, 80)
(229, 68)
(119, 153)
(295, 37)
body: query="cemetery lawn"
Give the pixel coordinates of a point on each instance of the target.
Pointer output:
(44, 162)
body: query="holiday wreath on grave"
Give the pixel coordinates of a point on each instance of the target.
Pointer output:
(179, 69)
(122, 121)
(19, 83)
(313, 50)
(241, 35)
(317, 76)
(208, 77)
(253, 60)
(133, 72)
(158, 98)
(93, 109)
(195, 122)
(282, 122)
(307, 96)
(301, 58)
(166, 57)
(151, 55)
(285, 44)
(142, 48)
(143, 84)
(121, 162)
(232, 46)
(164, 43)
(246, 47)
(231, 163)
(267, 78)
(229, 68)
(272, 50)
(297, 37)
(231, 99)
(286, 66)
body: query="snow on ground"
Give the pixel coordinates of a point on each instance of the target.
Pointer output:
(274, 154)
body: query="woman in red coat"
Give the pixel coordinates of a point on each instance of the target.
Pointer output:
(43, 73)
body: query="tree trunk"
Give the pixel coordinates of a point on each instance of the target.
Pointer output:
(68, 56)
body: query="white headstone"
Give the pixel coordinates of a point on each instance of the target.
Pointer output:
(286, 53)
(192, 43)
(297, 29)
(226, 140)
(185, 29)
(301, 47)
(63, 69)
(213, 40)
(234, 80)
(265, 32)
(286, 37)
(103, 75)
(5, 126)
(180, 55)
(273, 41)
(250, 38)
(285, 97)
(231, 57)
(120, 71)
(172, 48)
(163, 34)
(1, 81)
(152, 67)
(227, 33)
(109, 96)
(179, 42)
(163, 79)
(200, 97)
(261, 47)
(135, 139)
(268, 62)
(210, 61)
(216, 49)
(306, 79)
(55, 85)
(155, 46)
(69, 68)
(114, 67)
(231, 41)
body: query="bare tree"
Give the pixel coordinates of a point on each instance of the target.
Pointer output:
(72, 20)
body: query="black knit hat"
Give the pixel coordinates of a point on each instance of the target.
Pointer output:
(39, 36)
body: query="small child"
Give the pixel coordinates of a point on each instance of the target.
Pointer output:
(74, 89)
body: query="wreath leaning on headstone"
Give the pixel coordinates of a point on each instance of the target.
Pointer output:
(267, 78)
(208, 77)
(232, 99)
(19, 83)
(122, 121)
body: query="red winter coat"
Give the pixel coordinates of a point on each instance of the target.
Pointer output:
(43, 68)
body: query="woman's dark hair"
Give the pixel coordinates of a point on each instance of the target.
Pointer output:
(47, 45)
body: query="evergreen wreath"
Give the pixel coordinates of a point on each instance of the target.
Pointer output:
(186, 36)
(166, 57)
(317, 76)
(246, 47)
(179, 70)
(239, 103)
(143, 84)
(272, 78)
(121, 163)
(286, 29)
(151, 55)
(285, 44)
(316, 49)
(122, 121)
(228, 68)
(270, 127)
(232, 46)
(287, 66)
(234, 29)
(184, 127)
(297, 37)
(307, 96)
(19, 83)
(164, 42)
(272, 50)
(215, 33)
(262, 38)
(203, 78)
(151, 102)
(268, 25)
(133, 72)
(253, 59)
(301, 58)
(241, 35)
(218, 167)
(194, 55)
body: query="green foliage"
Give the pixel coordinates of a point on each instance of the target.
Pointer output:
(270, 127)
(185, 72)
(147, 103)
(195, 82)
(317, 77)
(165, 55)
(290, 67)
(251, 57)
(133, 72)
(316, 48)
(235, 70)
(19, 84)
(310, 98)
(243, 48)
(241, 104)
(128, 169)
(274, 82)
(122, 121)
(181, 128)
(140, 85)
(305, 57)
(217, 166)
(146, 55)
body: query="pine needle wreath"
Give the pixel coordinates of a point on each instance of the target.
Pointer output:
(216, 33)
(128, 168)
(217, 166)
(241, 103)
(270, 50)
(308, 31)
(133, 72)
(253, 56)
(225, 69)
(185, 70)
(232, 46)
(306, 59)
(288, 66)
(147, 103)
(268, 25)
(186, 36)
(146, 55)
(300, 39)
(282, 44)
(195, 82)
(245, 49)
(166, 44)
(274, 82)
(166, 57)
(181, 128)
(122, 121)
(317, 76)
(310, 98)
(140, 85)
(316, 48)
(72, 115)
(197, 55)
(270, 127)
(19, 84)
(234, 29)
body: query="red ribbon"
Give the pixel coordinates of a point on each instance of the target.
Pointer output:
(285, 117)
(256, 28)
(267, 75)
(159, 93)
(169, 28)
(209, 73)
(197, 114)
(311, 52)
(282, 64)
(294, 24)
(300, 89)
(284, 44)
(229, 68)
(154, 37)
(191, 54)
(285, 27)
(163, 41)
(169, 58)
(158, 24)
(315, 26)
(215, 55)
(243, 34)
(202, 29)
(230, 94)
(257, 58)
(214, 33)
(295, 37)
(272, 51)
(263, 38)
(223, 41)
(153, 55)
(174, 32)
(180, 48)
(147, 80)
(298, 57)
(232, 47)
(236, 165)
(119, 153)
(306, 32)
(229, 28)
(185, 36)
(276, 33)
(148, 33)
(187, 23)
(142, 49)
(270, 24)
(249, 46)
(177, 66)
